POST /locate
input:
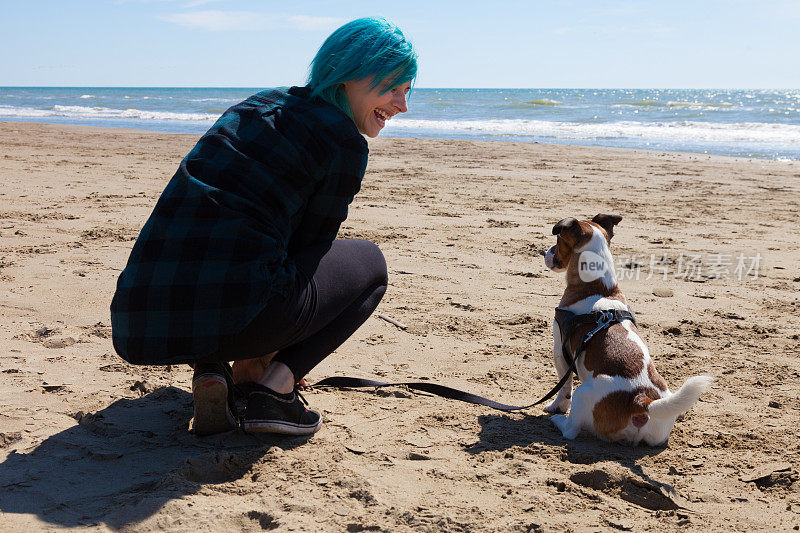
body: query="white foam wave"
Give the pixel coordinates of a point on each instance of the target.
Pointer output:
(84, 112)
(10, 111)
(231, 100)
(683, 130)
(88, 96)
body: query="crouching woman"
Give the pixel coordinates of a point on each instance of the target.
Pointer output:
(239, 260)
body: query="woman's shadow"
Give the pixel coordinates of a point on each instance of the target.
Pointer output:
(123, 463)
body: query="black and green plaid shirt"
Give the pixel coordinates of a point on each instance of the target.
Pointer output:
(275, 174)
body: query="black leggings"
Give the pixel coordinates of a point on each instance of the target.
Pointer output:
(336, 289)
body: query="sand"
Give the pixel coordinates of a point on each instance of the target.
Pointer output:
(88, 440)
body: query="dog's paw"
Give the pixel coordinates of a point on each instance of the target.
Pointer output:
(562, 423)
(559, 420)
(558, 405)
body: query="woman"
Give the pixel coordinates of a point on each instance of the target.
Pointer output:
(239, 260)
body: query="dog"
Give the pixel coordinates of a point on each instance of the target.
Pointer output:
(622, 397)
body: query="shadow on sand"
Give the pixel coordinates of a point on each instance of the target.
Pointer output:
(615, 469)
(500, 432)
(123, 463)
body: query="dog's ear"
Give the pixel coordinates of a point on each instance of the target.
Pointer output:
(568, 229)
(565, 225)
(607, 222)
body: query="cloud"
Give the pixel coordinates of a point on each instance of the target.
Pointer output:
(195, 3)
(214, 20)
(142, 1)
(220, 20)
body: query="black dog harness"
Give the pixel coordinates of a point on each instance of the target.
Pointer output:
(566, 320)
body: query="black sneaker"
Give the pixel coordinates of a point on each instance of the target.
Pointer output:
(272, 412)
(214, 407)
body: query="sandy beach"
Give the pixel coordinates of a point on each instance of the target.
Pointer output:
(89, 441)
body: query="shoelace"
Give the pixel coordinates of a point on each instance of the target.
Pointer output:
(297, 391)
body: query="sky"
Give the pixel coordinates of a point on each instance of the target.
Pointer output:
(509, 44)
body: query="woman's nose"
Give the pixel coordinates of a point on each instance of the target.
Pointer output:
(400, 103)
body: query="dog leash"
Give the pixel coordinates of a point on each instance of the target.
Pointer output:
(603, 319)
(433, 388)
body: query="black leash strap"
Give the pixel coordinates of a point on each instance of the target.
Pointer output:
(433, 388)
(603, 320)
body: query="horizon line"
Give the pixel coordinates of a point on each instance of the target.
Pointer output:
(425, 88)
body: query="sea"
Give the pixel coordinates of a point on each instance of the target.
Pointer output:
(746, 123)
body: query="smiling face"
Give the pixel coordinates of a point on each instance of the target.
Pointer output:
(370, 108)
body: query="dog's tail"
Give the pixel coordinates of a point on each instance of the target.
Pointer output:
(683, 399)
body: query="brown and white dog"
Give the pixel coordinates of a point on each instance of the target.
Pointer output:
(622, 397)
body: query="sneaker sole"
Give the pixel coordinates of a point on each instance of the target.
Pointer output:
(281, 427)
(211, 411)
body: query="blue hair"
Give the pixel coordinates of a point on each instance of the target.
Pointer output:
(362, 48)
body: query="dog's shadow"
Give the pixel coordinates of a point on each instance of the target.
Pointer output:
(123, 463)
(537, 435)
(499, 432)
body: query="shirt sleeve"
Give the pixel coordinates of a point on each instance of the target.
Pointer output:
(328, 205)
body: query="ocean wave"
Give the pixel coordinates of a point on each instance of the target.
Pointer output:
(699, 105)
(642, 103)
(541, 102)
(84, 112)
(782, 134)
(88, 96)
(231, 100)
(23, 112)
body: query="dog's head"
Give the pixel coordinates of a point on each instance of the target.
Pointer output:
(582, 247)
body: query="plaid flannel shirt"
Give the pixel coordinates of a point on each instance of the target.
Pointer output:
(273, 175)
